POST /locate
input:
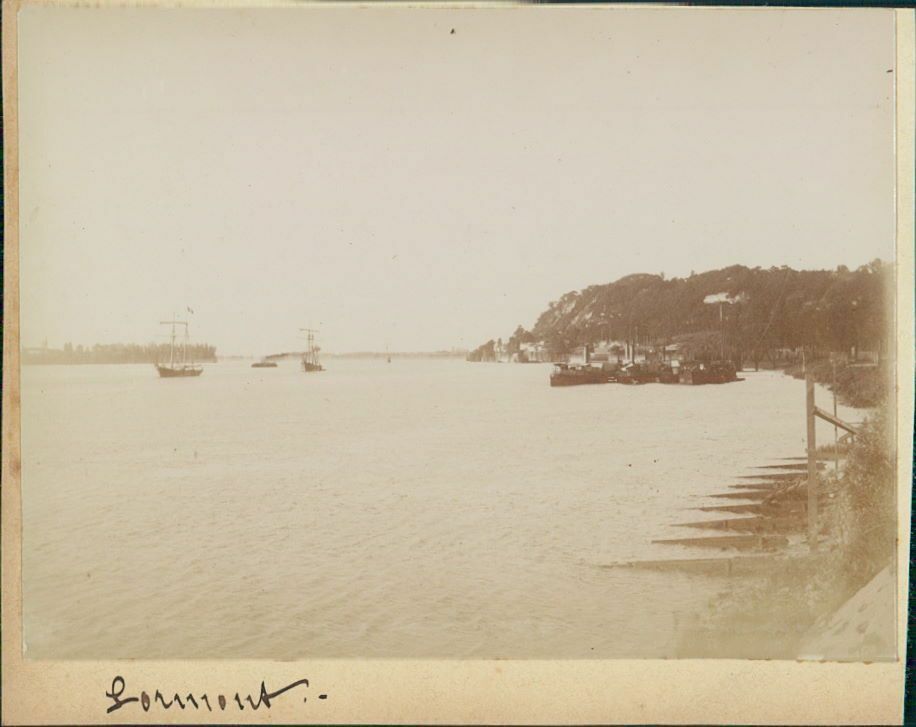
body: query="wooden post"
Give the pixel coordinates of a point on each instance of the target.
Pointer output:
(836, 431)
(721, 333)
(812, 463)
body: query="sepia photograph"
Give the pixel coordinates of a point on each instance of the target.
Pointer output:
(458, 334)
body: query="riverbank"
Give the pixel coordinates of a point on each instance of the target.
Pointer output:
(862, 385)
(796, 610)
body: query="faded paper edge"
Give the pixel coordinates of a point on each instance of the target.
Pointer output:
(443, 691)
(905, 134)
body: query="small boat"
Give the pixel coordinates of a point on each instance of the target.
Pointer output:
(179, 365)
(310, 362)
(264, 364)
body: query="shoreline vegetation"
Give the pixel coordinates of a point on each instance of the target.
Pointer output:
(113, 353)
(831, 321)
(859, 384)
(752, 315)
(756, 318)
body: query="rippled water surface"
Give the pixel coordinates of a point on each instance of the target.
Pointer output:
(415, 509)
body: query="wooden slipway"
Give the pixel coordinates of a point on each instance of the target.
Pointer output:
(782, 525)
(756, 508)
(773, 506)
(745, 495)
(732, 542)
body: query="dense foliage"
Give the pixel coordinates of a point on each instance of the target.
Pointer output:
(761, 311)
(864, 516)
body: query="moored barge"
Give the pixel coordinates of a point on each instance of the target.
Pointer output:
(568, 375)
(716, 372)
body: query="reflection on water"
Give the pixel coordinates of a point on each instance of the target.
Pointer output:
(418, 509)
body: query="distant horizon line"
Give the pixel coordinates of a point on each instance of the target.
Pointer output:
(90, 346)
(442, 352)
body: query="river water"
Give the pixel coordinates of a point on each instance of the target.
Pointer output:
(423, 508)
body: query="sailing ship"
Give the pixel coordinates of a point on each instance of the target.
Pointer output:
(180, 363)
(310, 362)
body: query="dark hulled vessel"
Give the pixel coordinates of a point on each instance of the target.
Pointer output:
(566, 375)
(169, 372)
(717, 372)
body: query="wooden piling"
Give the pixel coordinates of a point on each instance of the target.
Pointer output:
(812, 462)
(836, 429)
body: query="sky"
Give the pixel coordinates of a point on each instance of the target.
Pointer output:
(422, 179)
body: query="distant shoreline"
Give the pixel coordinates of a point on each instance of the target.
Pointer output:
(292, 355)
(398, 354)
(33, 361)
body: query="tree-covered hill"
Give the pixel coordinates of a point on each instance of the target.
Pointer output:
(750, 313)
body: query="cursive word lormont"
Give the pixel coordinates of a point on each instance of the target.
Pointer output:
(198, 701)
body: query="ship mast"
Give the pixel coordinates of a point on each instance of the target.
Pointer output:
(183, 346)
(310, 354)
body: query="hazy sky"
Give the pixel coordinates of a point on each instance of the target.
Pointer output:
(375, 175)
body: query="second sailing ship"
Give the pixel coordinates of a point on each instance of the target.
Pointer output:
(310, 362)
